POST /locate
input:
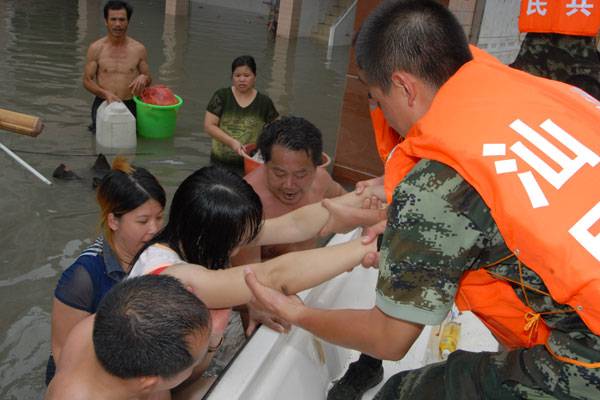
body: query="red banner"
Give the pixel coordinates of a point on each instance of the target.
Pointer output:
(569, 17)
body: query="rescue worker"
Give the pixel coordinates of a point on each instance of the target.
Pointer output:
(560, 40)
(479, 217)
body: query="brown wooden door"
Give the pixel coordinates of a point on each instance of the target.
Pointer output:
(356, 156)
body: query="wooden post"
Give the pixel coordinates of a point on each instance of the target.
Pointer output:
(289, 18)
(177, 7)
(175, 35)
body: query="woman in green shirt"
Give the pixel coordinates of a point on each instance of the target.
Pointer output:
(236, 115)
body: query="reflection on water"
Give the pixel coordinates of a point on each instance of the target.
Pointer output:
(174, 38)
(42, 54)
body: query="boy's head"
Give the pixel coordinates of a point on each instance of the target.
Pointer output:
(151, 328)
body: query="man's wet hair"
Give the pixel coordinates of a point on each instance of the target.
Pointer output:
(244, 61)
(118, 5)
(144, 326)
(293, 133)
(420, 37)
(212, 212)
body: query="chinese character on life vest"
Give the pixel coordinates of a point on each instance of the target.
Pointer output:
(568, 167)
(582, 5)
(557, 178)
(537, 7)
(581, 231)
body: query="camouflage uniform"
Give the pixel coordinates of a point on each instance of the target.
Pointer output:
(438, 228)
(556, 56)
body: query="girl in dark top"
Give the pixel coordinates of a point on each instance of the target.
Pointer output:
(213, 213)
(131, 212)
(236, 115)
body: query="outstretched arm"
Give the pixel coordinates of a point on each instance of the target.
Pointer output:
(306, 222)
(369, 331)
(378, 181)
(342, 216)
(289, 273)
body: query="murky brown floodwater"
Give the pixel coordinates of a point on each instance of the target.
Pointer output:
(42, 50)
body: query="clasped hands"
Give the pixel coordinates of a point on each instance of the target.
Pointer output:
(281, 309)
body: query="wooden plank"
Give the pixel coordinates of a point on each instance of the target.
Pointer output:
(348, 176)
(20, 123)
(356, 148)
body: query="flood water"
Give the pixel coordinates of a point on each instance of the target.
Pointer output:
(42, 53)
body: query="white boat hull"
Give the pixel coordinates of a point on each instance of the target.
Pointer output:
(298, 366)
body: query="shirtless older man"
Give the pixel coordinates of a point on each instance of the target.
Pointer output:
(289, 179)
(116, 65)
(146, 338)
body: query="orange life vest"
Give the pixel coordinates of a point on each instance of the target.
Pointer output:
(385, 136)
(396, 165)
(569, 17)
(530, 147)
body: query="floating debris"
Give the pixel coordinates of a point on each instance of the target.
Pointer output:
(169, 162)
(65, 173)
(101, 165)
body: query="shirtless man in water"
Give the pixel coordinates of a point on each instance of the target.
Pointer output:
(116, 66)
(289, 179)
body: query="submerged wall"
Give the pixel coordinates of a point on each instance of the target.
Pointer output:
(255, 6)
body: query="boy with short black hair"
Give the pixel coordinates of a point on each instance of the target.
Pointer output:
(148, 334)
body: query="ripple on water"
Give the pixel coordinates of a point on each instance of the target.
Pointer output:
(43, 272)
(24, 350)
(42, 54)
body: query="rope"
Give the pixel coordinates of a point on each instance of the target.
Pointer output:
(532, 318)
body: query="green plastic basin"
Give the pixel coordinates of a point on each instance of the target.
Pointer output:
(156, 122)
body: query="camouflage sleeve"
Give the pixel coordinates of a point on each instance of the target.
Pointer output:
(559, 57)
(428, 243)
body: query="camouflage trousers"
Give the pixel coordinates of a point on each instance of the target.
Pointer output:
(558, 57)
(518, 374)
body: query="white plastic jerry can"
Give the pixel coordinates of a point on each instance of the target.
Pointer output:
(115, 126)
